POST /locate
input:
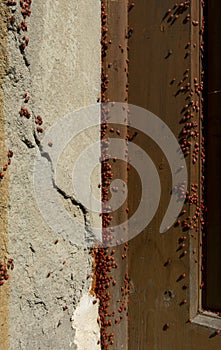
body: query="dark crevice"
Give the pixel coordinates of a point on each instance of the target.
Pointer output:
(28, 143)
(75, 202)
(211, 263)
(24, 57)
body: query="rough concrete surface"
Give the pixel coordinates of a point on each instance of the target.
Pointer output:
(4, 294)
(60, 69)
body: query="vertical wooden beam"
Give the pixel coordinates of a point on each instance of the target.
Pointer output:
(115, 66)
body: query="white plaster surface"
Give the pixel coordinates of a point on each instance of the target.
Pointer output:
(85, 324)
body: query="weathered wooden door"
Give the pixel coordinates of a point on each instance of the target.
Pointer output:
(168, 307)
(170, 54)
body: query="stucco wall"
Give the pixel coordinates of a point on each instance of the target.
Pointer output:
(60, 70)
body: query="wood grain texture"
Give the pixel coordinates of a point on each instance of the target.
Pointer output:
(115, 66)
(157, 55)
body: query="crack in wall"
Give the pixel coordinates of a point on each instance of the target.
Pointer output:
(87, 224)
(45, 321)
(28, 143)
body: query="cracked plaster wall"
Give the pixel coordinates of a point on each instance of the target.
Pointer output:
(49, 287)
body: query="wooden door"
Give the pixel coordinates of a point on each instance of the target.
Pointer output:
(165, 76)
(164, 57)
